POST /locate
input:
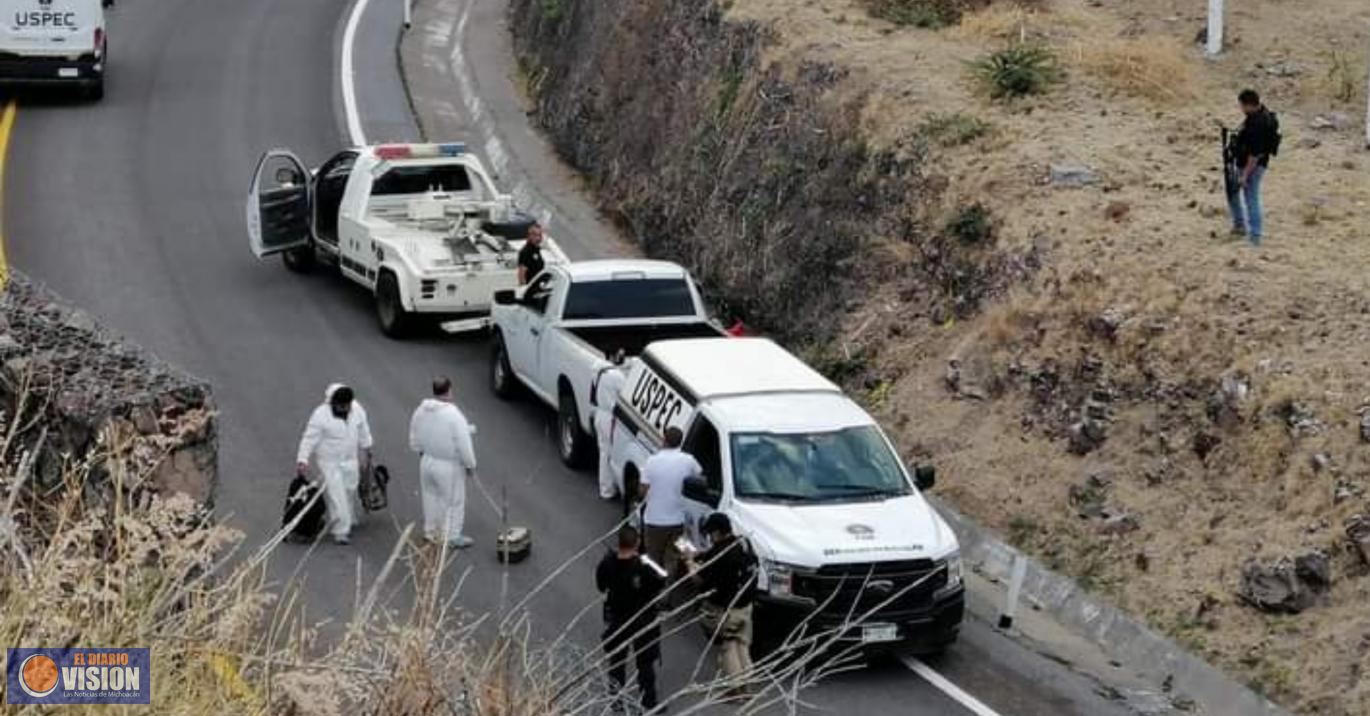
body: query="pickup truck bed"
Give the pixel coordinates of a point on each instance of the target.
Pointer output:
(634, 339)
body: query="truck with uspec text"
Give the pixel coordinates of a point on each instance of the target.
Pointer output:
(422, 227)
(554, 336)
(844, 540)
(54, 43)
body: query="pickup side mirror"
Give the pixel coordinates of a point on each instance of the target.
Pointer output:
(698, 490)
(504, 297)
(924, 477)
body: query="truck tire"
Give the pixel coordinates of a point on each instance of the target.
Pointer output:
(573, 444)
(503, 382)
(395, 321)
(299, 260)
(96, 91)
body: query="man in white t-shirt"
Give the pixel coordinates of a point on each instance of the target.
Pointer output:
(662, 487)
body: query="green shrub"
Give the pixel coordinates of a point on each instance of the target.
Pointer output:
(915, 13)
(953, 129)
(1021, 69)
(552, 10)
(971, 225)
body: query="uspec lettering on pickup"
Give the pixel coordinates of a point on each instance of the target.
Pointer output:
(655, 401)
(45, 18)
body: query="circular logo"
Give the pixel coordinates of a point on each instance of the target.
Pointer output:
(38, 676)
(860, 531)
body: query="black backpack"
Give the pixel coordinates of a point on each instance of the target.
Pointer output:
(304, 509)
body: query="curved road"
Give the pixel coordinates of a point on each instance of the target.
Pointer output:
(132, 208)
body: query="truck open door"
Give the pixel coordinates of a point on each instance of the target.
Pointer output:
(278, 204)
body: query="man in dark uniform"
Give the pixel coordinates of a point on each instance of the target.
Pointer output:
(631, 584)
(726, 573)
(1255, 143)
(530, 256)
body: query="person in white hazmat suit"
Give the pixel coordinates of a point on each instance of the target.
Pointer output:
(606, 388)
(441, 436)
(337, 438)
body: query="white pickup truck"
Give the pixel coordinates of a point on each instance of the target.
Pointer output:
(555, 334)
(845, 541)
(420, 226)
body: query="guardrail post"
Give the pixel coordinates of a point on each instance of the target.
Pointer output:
(1215, 28)
(408, 13)
(1015, 587)
(1367, 97)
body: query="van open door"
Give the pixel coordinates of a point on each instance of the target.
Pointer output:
(278, 204)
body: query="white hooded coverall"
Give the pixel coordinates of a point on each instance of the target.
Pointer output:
(336, 447)
(441, 436)
(606, 394)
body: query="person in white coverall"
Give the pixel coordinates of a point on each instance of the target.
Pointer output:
(337, 438)
(607, 386)
(441, 436)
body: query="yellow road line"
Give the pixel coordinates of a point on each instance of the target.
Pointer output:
(6, 124)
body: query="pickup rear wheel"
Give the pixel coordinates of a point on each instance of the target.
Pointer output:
(573, 444)
(395, 321)
(502, 380)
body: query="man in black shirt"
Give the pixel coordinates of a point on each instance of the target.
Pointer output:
(530, 256)
(1255, 143)
(631, 585)
(726, 573)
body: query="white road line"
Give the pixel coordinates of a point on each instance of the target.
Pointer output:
(349, 84)
(971, 703)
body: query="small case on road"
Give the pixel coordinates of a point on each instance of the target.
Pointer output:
(514, 544)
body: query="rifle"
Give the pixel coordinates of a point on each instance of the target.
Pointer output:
(1229, 162)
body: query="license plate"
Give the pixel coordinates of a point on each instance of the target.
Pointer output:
(68, 72)
(879, 633)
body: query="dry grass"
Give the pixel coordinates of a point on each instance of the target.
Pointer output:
(1153, 68)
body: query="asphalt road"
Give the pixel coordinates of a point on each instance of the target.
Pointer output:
(132, 208)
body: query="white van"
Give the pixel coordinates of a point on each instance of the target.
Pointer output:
(843, 535)
(54, 42)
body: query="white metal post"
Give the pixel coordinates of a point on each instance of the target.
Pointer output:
(1367, 98)
(408, 13)
(1015, 586)
(1215, 28)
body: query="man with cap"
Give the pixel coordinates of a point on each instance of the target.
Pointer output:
(726, 574)
(337, 438)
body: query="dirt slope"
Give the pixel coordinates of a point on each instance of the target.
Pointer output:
(844, 180)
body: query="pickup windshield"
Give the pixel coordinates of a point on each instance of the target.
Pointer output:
(854, 463)
(634, 298)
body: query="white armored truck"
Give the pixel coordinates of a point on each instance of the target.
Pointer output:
(421, 226)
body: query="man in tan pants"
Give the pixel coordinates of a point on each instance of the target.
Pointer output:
(726, 573)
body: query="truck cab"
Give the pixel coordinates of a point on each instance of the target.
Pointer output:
(421, 226)
(846, 542)
(54, 43)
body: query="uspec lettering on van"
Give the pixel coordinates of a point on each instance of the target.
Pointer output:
(655, 401)
(45, 18)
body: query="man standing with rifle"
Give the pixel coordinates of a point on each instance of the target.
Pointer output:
(1246, 157)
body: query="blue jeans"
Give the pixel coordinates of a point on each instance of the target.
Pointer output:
(1248, 218)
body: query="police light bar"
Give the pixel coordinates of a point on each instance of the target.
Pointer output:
(411, 151)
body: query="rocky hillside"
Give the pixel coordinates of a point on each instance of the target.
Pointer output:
(1004, 226)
